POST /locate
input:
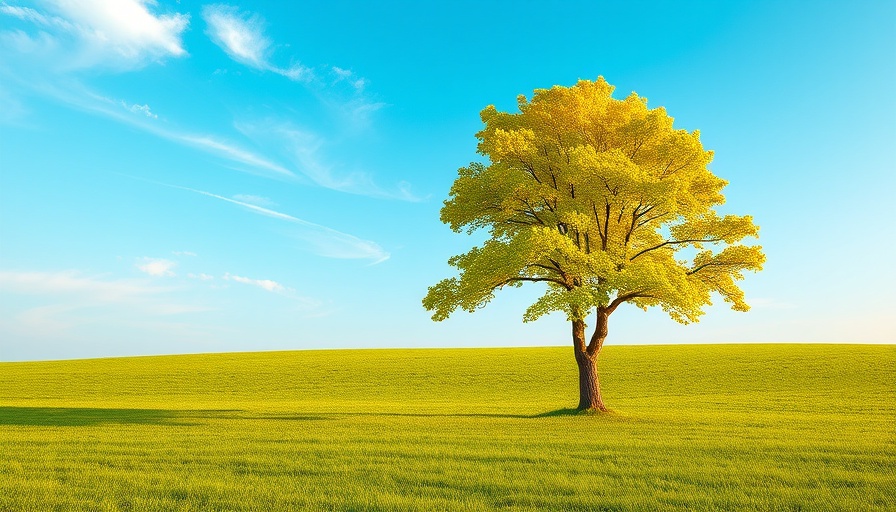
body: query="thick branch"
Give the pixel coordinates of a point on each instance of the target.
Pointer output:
(600, 332)
(548, 268)
(625, 298)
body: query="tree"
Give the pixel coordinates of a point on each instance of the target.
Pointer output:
(603, 201)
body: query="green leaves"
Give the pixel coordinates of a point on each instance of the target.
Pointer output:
(580, 193)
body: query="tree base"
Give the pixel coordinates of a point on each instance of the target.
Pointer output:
(593, 411)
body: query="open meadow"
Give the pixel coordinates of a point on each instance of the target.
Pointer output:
(701, 427)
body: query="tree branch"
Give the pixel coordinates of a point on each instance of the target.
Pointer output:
(714, 264)
(546, 267)
(597, 219)
(650, 219)
(529, 169)
(532, 280)
(625, 298)
(672, 242)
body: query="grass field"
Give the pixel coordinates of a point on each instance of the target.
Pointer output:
(718, 427)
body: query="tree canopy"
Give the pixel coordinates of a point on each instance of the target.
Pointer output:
(601, 199)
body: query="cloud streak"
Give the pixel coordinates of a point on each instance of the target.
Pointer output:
(264, 284)
(226, 150)
(305, 150)
(241, 36)
(140, 109)
(71, 283)
(324, 241)
(93, 102)
(76, 95)
(276, 150)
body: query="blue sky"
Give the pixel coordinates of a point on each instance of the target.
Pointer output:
(197, 177)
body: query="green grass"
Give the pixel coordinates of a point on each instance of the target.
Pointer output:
(720, 427)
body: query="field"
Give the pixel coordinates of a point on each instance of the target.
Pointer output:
(713, 427)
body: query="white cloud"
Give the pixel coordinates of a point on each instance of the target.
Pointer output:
(201, 277)
(64, 303)
(241, 36)
(71, 283)
(156, 267)
(121, 34)
(229, 151)
(238, 34)
(296, 72)
(349, 77)
(184, 253)
(266, 284)
(306, 149)
(78, 96)
(341, 73)
(139, 109)
(36, 17)
(324, 241)
(256, 200)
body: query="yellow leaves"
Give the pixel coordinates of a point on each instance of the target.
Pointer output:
(709, 228)
(517, 143)
(593, 196)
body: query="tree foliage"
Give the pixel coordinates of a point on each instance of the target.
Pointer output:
(601, 199)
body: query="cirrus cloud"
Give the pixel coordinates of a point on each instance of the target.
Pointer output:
(119, 34)
(265, 284)
(241, 36)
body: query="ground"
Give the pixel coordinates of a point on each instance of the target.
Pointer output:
(702, 427)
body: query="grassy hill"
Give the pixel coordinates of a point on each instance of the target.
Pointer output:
(703, 427)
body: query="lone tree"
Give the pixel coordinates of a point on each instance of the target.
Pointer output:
(603, 201)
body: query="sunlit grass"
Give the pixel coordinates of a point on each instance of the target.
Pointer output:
(721, 427)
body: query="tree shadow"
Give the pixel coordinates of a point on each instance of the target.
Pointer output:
(89, 416)
(548, 414)
(560, 412)
(92, 416)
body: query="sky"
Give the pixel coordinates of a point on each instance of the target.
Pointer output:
(188, 177)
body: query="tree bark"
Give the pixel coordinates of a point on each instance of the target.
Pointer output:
(589, 385)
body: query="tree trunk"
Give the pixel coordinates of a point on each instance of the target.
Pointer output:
(589, 385)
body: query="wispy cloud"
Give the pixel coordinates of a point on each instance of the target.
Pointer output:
(265, 284)
(256, 200)
(191, 254)
(324, 241)
(305, 150)
(156, 267)
(68, 301)
(227, 150)
(77, 95)
(201, 276)
(120, 34)
(279, 151)
(95, 288)
(349, 77)
(36, 17)
(139, 109)
(241, 36)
